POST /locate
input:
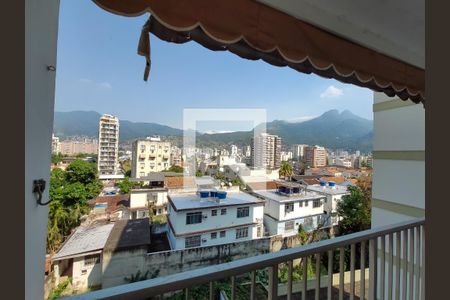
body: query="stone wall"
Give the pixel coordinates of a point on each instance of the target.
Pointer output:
(117, 266)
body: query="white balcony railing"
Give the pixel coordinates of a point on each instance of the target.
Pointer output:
(404, 254)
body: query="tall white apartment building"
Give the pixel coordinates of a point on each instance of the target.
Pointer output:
(291, 205)
(213, 217)
(149, 155)
(108, 145)
(234, 150)
(299, 151)
(56, 145)
(266, 151)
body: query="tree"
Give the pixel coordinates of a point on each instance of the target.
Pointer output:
(125, 186)
(286, 170)
(176, 169)
(354, 210)
(69, 192)
(57, 158)
(81, 171)
(198, 173)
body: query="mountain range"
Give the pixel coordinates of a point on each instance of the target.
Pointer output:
(333, 129)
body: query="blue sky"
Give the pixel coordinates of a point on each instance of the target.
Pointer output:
(99, 69)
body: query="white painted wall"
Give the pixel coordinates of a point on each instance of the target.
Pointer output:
(277, 210)
(92, 276)
(41, 30)
(398, 181)
(206, 240)
(140, 198)
(214, 224)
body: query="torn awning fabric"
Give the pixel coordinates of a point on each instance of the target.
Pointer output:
(255, 31)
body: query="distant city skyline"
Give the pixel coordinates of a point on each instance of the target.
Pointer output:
(99, 70)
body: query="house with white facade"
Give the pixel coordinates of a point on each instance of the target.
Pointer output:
(291, 205)
(213, 217)
(334, 194)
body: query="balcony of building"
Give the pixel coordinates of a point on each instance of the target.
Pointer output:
(385, 59)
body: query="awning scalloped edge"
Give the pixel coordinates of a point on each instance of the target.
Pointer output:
(242, 46)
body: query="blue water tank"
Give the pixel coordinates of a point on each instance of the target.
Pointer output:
(213, 194)
(331, 183)
(221, 194)
(204, 194)
(323, 183)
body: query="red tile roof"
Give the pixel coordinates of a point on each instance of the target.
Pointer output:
(174, 182)
(114, 201)
(268, 185)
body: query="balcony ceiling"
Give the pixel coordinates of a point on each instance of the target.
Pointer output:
(394, 28)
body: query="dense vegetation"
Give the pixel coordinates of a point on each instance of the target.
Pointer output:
(69, 191)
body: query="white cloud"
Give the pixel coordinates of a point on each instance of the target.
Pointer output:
(332, 92)
(101, 85)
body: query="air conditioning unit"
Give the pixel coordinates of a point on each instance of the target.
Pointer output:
(204, 240)
(205, 216)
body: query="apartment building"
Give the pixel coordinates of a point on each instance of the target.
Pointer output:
(56, 145)
(149, 155)
(291, 205)
(74, 147)
(212, 217)
(266, 151)
(299, 151)
(315, 156)
(108, 145)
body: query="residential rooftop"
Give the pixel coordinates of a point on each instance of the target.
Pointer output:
(84, 240)
(336, 190)
(276, 196)
(128, 234)
(189, 201)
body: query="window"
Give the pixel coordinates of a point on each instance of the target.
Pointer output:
(289, 226)
(288, 207)
(300, 204)
(214, 212)
(222, 233)
(192, 241)
(241, 233)
(90, 260)
(306, 203)
(142, 174)
(243, 212)
(223, 211)
(213, 235)
(142, 165)
(316, 203)
(193, 218)
(259, 231)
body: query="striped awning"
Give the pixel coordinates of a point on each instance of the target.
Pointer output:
(255, 31)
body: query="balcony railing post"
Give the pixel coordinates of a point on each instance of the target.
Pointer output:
(211, 290)
(289, 285)
(417, 272)
(411, 264)
(382, 267)
(304, 277)
(422, 269)
(273, 282)
(253, 285)
(362, 284)
(341, 273)
(317, 292)
(405, 263)
(352, 271)
(233, 287)
(390, 265)
(330, 274)
(373, 268)
(397, 260)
